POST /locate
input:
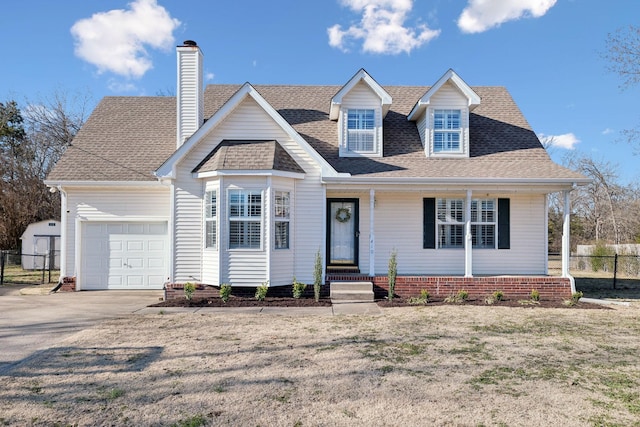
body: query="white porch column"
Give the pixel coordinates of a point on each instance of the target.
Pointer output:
(468, 241)
(566, 238)
(372, 240)
(63, 233)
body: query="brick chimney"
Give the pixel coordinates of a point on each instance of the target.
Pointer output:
(190, 110)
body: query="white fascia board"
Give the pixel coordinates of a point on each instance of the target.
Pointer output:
(336, 101)
(249, 172)
(50, 183)
(473, 100)
(327, 169)
(502, 183)
(167, 170)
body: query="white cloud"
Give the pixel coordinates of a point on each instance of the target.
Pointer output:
(209, 76)
(568, 141)
(608, 131)
(118, 86)
(382, 28)
(116, 40)
(481, 15)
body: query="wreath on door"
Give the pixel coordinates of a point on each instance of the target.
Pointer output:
(343, 214)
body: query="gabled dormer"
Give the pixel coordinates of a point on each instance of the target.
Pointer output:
(442, 117)
(360, 107)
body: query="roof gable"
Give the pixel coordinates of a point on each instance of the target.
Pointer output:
(450, 76)
(167, 170)
(360, 76)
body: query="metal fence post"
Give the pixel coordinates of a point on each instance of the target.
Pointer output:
(1, 268)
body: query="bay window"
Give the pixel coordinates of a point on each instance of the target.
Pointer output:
(245, 219)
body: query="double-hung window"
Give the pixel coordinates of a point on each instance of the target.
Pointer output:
(450, 223)
(483, 223)
(245, 219)
(282, 203)
(210, 219)
(361, 130)
(447, 131)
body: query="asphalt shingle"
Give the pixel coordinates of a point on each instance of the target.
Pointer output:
(127, 138)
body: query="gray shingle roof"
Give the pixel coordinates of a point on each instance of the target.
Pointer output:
(249, 155)
(127, 138)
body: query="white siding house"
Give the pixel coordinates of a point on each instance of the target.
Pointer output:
(245, 184)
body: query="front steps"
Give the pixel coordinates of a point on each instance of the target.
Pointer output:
(349, 292)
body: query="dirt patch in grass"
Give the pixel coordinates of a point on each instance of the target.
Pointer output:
(433, 365)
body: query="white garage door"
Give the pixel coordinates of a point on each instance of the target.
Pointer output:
(123, 255)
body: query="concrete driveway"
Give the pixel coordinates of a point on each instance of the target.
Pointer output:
(29, 323)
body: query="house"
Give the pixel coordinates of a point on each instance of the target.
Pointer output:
(41, 245)
(244, 184)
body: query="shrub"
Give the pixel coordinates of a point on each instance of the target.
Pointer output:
(575, 297)
(535, 295)
(317, 276)
(461, 296)
(189, 290)
(225, 292)
(261, 291)
(422, 299)
(393, 272)
(498, 295)
(602, 257)
(298, 288)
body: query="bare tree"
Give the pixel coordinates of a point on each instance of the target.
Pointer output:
(31, 142)
(623, 56)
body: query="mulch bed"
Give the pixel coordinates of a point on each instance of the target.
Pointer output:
(403, 302)
(237, 301)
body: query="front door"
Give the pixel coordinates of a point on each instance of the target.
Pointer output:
(342, 232)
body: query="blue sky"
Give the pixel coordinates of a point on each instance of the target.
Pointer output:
(548, 53)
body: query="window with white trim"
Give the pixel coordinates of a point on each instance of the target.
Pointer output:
(483, 223)
(282, 206)
(245, 219)
(210, 219)
(447, 131)
(451, 222)
(361, 130)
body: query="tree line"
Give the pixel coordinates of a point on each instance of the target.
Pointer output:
(32, 139)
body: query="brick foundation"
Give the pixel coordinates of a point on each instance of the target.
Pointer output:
(176, 290)
(68, 284)
(550, 288)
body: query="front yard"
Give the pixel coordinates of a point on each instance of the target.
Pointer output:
(441, 365)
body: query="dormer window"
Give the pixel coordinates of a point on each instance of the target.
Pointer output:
(447, 131)
(361, 132)
(360, 107)
(442, 117)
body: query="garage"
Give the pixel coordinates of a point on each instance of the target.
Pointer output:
(123, 255)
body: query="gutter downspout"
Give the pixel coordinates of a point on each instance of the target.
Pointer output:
(63, 239)
(566, 239)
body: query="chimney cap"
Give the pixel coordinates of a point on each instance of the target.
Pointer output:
(189, 43)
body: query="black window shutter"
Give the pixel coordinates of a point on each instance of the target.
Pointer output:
(429, 223)
(504, 228)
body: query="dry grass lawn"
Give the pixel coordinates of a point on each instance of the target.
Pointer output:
(445, 365)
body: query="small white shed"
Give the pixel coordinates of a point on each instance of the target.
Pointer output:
(41, 245)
